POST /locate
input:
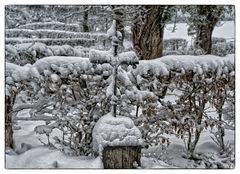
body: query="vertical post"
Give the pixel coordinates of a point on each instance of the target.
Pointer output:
(115, 92)
(115, 47)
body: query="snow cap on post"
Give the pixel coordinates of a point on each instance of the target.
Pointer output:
(115, 131)
(113, 33)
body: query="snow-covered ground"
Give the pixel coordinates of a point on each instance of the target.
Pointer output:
(40, 156)
(30, 152)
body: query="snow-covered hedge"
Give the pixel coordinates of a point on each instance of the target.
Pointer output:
(50, 41)
(47, 33)
(82, 91)
(177, 46)
(195, 82)
(174, 44)
(51, 25)
(197, 64)
(101, 57)
(24, 53)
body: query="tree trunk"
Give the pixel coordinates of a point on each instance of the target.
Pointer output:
(204, 38)
(85, 19)
(210, 15)
(121, 157)
(8, 122)
(148, 36)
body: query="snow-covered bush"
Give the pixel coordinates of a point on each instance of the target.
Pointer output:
(224, 102)
(51, 25)
(193, 79)
(48, 33)
(56, 41)
(223, 48)
(24, 53)
(219, 49)
(174, 44)
(79, 92)
(230, 47)
(77, 98)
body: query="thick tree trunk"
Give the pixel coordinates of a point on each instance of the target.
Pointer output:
(148, 36)
(85, 19)
(211, 14)
(8, 122)
(121, 157)
(204, 38)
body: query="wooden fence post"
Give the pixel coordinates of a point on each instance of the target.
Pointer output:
(121, 157)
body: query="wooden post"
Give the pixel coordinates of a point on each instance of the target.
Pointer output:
(121, 157)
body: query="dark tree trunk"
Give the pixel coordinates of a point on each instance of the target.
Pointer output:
(85, 19)
(204, 38)
(8, 122)
(121, 157)
(148, 36)
(211, 13)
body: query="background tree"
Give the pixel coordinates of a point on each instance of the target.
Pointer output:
(203, 19)
(148, 29)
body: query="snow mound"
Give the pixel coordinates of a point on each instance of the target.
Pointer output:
(59, 61)
(100, 57)
(16, 72)
(115, 131)
(45, 158)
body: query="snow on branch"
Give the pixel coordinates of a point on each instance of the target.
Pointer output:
(198, 64)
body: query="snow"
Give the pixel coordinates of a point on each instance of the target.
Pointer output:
(43, 157)
(18, 73)
(129, 57)
(225, 30)
(52, 25)
(46, 33)
(109, 130)
(111, 31)
(110, 88)
(52, 41)
(162, 66)
(59, 61)
(115, 131)
(55, 78)
(43, 129)
(181, 31)
(100, 57)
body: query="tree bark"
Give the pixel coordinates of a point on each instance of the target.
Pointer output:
(121, 157)
(85, 19)
(148, 35)
(211, 15)
(204, 38)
